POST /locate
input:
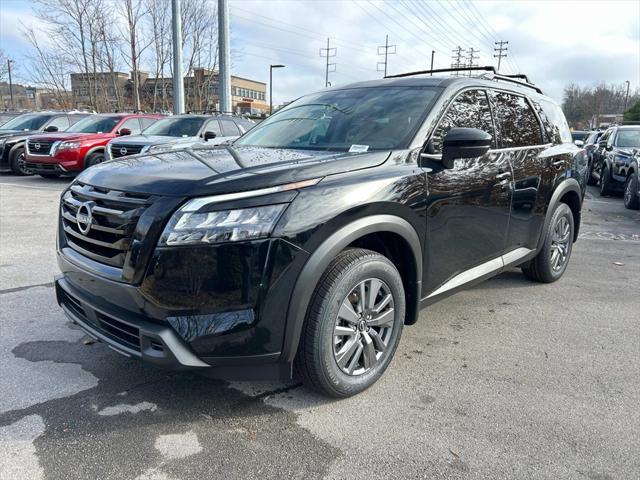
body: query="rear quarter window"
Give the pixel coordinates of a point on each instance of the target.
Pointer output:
(553, 121)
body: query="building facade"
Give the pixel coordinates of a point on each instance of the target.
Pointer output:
(114, 92)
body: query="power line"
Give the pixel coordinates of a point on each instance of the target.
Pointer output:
(386, 47)
(328, 53)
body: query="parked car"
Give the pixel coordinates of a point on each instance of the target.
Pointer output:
(318, 235)
(632, 183)
(180, 131)
(14, 133)
(580, 136)
(6, 116)
(590, 146)
(82, 145)
(613, 157)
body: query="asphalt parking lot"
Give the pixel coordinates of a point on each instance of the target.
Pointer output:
(507, 380)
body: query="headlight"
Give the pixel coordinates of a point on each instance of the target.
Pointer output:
(157, 148)
(188, 227)
(69, 145)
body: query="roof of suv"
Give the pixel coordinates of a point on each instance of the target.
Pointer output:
(443, 82)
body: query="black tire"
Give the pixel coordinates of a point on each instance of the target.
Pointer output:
(49, 175)
(543, 267)
(94, 159)
(317, 359)
(591, 180)
(631, 200)
(17, 164)
(605, 181)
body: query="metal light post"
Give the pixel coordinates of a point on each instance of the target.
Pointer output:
(178, 82)
(271, 67)
(224, 77)
(626, 98)
(9, 62)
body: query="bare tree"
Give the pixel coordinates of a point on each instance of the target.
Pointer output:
(134, 11)
(4, 66)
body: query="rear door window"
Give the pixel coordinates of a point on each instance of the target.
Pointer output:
(470, 109)
(229, 128)
(517, 123)
(213, 126)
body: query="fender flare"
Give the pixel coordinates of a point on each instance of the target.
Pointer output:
(567, 185)
(320, 259)
(93, 150)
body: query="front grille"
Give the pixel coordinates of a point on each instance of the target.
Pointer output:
(124, 149)
(113, 218)
(46, 167)
(38, 147)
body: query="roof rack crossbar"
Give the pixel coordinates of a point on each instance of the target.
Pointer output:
(444, 70)
(514, 79)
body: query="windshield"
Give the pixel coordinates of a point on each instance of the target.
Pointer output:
(629, 138)
(94, 124)
(26, 122)
(354, 119)
(176, 127)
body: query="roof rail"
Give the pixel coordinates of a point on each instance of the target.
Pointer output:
(444, 70)
(490, 74)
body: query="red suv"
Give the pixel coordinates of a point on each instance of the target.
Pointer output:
(81, 145)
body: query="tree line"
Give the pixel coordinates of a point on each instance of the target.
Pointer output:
(132, 36)
(580, 104)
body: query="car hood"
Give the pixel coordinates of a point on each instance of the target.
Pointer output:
(72, 136)
(15, 133)
(209, 171)
(154, 140)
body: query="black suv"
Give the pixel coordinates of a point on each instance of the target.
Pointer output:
(14, 133)
(318, 235)
(632, 183)
(613, 157)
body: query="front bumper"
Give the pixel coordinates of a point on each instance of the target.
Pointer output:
(46, 168)
(158, 344)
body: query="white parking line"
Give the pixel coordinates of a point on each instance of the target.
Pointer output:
(31, 186)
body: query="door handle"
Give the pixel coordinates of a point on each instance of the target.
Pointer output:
(557, 163)
(503, 175)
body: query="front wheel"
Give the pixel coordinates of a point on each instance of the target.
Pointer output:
(551, 262)
(353, 325)
(605, 181)
(94, 159)
(591, 180)
(631, 197)
(18, 162)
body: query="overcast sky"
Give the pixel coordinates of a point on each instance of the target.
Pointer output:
(554, 42)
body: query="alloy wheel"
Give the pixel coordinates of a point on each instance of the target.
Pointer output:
(22, 165)
(363, 327)
(560, 243)
(628, 192)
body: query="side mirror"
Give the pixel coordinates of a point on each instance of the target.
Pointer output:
(464, 143)
(51, 128)
(124, 131)
(209, 136)
(578, 143)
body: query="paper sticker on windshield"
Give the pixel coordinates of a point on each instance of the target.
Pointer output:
(359, 148)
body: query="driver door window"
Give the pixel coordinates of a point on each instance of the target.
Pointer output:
(470, 109)
(62, 123)
(132, 124)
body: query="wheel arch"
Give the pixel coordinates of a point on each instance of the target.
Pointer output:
(568, 192)
(366, 232)
(91, 151)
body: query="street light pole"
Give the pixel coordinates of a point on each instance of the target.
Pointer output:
(178, 82)
(9, 62)
(271, 67)
(626, 98)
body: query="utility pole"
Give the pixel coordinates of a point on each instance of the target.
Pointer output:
(224, 78)
(626, 98)
(271, 67)
(471, 58)
(500, 49)
(386, 54)
(9, 62)
(456, 58)
(178, 82)
(327, 53)
(433, 52)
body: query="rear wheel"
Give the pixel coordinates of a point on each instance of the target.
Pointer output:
(631, 200)
(353, 325)
(605, 181)
(94, 159)
(551, 262)
(18, 163)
